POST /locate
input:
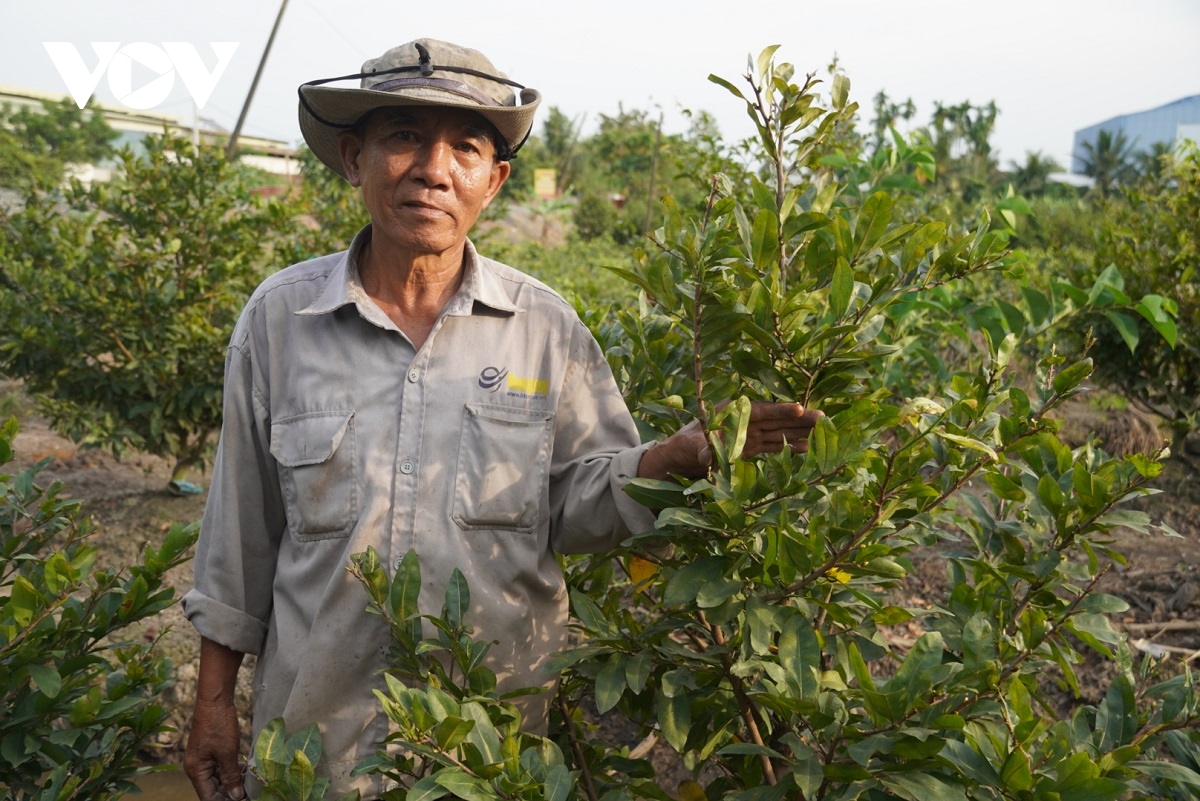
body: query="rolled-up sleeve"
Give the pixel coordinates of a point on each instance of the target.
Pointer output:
(236, 557)
(596, 454)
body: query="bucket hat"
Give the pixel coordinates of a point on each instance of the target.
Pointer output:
(424, 72)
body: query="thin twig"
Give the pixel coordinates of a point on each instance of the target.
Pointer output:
(749, 711)
(585, 773)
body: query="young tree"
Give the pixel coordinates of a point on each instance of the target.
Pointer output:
(763, 637)
(1151, 244)
(36, 146)
(119, 300)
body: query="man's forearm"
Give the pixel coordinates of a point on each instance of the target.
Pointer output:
(219, 667)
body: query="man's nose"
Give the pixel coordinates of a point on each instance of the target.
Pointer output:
(433, 163)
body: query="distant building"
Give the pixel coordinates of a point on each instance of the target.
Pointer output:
(273, 155)
(1171, 123)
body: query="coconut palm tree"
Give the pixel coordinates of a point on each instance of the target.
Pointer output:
(1109, 161)
(1030, 178)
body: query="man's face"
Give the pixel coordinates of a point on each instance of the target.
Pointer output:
(426, 173)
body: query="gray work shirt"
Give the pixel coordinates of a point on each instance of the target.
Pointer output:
(502, 440)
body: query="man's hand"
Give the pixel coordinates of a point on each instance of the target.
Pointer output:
(211, 759)
(686, 452)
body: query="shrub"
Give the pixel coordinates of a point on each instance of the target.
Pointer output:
(759, 631)
(594, 217)
(78, 701)
(119, 300)
(1151, 244)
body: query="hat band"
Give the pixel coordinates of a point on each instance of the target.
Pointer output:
(454, 87)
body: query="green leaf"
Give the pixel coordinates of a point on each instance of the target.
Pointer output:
(685, 585)
(46, 679)
(915, 673)
(749, 749)
(675, 719)
(637, 671)
(764, 247)
(463, 785)
(872, 224)
(1098, 789)
(1168, 771)
(966, 760)
(1039, 305)
(918, 786)
(1152, 307)
(1005, 488)
(823, 449)
(763, 63)
(719, 81)
(1073, 376)
(1126, 327)
(655, 493)
(682, 516)
(589, 614)
(558, 784)
(307, 741)
(270, 746)
(458, 599)
(610, 683)
(426, 789)
(1050, 494)
(800, 656)
(840, 91)
(1116, 717)
(969, 442)
(484, 736)
(301, 776)
(841, 289)
(735, 416)
(1015, 776)
(451, 731)
(406, 588)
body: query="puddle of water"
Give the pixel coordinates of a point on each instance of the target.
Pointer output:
(167, 786)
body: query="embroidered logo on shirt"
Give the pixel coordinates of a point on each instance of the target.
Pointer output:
(490, 378)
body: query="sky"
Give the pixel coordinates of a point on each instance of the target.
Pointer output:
(1051, 66)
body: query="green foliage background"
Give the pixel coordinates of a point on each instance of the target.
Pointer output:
(937, 308)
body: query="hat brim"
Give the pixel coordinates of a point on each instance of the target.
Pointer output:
(345, 106)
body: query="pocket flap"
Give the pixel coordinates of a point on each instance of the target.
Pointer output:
(309, 438)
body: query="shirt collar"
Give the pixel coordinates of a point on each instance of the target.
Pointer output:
(480, 283)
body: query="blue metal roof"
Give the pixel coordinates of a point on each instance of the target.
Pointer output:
(1142, 128)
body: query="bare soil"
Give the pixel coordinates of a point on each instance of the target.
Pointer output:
(130, 503)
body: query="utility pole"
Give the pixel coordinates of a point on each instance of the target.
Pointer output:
(653, 169)
(231, 148)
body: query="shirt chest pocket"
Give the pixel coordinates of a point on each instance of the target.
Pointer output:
(503, 461)
(317, 473)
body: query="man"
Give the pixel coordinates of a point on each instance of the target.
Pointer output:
(408, 393)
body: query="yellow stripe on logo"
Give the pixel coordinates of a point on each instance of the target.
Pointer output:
(532, 386)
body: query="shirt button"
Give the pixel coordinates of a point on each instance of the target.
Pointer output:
(407, 467)
(413, 375)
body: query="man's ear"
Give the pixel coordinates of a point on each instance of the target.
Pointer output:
(350, 149)
(500, 172)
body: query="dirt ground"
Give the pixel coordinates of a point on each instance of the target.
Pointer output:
(129, 501)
